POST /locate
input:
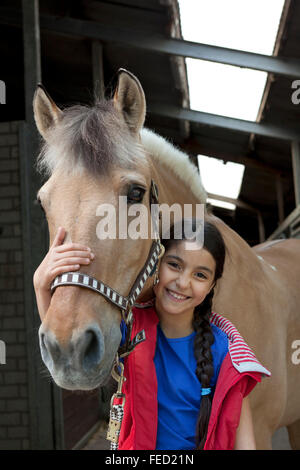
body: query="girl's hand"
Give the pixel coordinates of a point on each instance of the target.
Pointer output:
(60, 259)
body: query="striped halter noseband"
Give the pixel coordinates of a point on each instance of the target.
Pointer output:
(124, 303)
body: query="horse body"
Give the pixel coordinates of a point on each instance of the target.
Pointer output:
(282, 266)
(263, 302)
(258, 292)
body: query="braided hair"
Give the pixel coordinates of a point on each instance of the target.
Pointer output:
(213, 242)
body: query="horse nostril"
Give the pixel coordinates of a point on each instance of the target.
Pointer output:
(44, 350)
(42, 341)
(49, 348)
(92, 350)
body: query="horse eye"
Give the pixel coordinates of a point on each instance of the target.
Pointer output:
(135, 194)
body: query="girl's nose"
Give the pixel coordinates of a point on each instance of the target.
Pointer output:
(183, 281)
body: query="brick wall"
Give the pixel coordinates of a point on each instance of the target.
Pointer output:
(14, 422)
(18, 409)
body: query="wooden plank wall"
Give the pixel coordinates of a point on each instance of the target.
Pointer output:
(81, 412)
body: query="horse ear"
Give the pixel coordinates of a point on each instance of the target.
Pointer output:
(46, 112)
(129, 98)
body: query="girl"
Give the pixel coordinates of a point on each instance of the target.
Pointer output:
(182, 390)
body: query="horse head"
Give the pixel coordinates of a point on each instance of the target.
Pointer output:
(92, 156)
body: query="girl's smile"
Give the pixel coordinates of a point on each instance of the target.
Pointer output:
(176, 296)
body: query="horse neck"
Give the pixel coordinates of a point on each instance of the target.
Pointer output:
(171, 188)
(240, 254)
(245, 284)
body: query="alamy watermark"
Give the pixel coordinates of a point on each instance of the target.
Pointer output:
(296, 94)
(135, 222)
(296, 353)
(2, 352)
(2, 92)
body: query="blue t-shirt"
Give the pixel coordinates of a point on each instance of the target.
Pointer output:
(178, 388)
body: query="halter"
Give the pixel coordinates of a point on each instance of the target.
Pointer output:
(125, 304)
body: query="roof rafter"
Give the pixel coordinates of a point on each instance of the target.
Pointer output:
(176, 47)
(196, 146)
(284, 66)
(278, 65)
(223, 122)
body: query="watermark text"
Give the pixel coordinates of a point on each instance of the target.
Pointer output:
(2, 92)
(296, 94)
(2, 352)
(136, 222)
(296, 353)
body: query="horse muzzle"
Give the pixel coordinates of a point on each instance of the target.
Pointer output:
(79, 364)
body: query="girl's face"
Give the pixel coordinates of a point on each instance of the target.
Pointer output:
(185, 278)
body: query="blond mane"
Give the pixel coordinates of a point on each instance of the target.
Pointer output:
(176, 160)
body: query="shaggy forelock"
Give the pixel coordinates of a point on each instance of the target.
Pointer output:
(95, 138)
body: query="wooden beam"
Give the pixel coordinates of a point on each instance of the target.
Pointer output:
(197, 148)
(296, 170)
(285, 227)
(42, 395)
(212, 120)
(236, 202)
(271, 78)
(243, 205)
(32, 53)
(176, 47)
(261, 228)
(285, 66)
(280, 199)
(98, 72)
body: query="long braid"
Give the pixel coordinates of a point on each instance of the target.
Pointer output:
(214, 244)
(202, 350)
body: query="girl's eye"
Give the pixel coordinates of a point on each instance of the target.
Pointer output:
(201, 276)
(174, 265)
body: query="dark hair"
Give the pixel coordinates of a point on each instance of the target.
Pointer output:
(213, 242)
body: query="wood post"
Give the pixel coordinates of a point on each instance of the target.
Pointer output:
(296, 170)
(280, 200)
(44, 401)
(98, 73)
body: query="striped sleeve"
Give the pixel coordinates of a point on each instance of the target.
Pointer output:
(242, 356)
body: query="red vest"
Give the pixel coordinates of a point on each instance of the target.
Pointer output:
(239, 373)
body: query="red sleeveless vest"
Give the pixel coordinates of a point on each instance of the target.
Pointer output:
(239, 373)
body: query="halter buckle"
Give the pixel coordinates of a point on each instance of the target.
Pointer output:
(162, 250)
(139, 338)
(116, 410)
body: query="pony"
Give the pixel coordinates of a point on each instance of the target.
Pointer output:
(91, 156)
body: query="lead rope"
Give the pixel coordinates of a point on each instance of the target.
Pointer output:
(116, 413)
(116, 409)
